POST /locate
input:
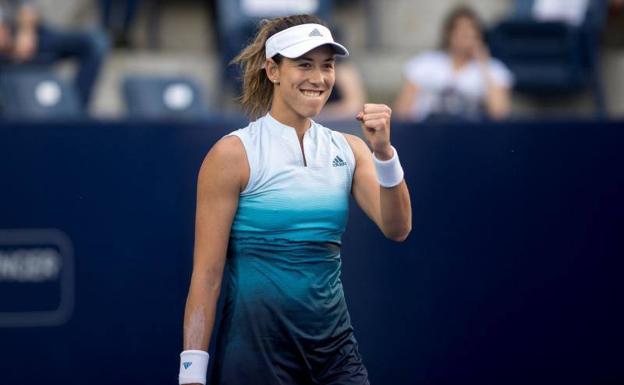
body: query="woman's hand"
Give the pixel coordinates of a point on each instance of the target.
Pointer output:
(375, 122)
(389, 207)
(481, 53)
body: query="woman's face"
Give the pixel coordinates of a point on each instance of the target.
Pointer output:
(464, 37)
(305, 82)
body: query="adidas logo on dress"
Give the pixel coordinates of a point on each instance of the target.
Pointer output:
(338, 162)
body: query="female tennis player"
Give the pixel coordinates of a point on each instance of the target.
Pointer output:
(272, 203)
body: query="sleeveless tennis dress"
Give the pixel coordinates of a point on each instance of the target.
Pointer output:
(285, 320)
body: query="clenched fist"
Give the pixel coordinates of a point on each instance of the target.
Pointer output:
(375, 121)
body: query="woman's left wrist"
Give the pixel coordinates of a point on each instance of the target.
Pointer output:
(384, 153)
(389, 171)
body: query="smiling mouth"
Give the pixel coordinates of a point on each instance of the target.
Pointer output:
(311, 93)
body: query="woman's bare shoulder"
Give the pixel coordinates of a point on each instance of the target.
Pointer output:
(229, 149)
(357, 144)
(226, 160)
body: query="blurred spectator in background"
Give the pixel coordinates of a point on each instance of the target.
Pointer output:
(25, 41)
(460, 81)
(117, 17)
(349, 93)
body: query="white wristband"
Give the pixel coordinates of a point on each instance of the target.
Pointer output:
(193, 367)
(389, 172)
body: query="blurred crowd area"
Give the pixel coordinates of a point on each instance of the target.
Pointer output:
(430, 61)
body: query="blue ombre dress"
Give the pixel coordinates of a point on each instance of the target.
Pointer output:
(285, 320)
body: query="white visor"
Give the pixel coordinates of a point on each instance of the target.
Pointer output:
(295, 41)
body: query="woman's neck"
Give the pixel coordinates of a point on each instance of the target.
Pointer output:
(290, 118)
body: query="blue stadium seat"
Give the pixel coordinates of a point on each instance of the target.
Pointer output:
(552, 58)
(158, 97)
(37, 94)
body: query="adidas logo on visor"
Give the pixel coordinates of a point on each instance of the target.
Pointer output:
(295, 41)
(315, 32)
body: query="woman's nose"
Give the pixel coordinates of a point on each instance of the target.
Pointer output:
(316, 76)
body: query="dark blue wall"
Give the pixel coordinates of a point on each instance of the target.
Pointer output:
(512, 274)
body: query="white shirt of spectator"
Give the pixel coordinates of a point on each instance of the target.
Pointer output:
(433, 73)
(570, 11)
(272, 8)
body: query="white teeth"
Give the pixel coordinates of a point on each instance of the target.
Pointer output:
(311, 93)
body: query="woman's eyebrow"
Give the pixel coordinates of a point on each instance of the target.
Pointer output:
(308, 59)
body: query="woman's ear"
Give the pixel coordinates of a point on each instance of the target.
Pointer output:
(272, 70)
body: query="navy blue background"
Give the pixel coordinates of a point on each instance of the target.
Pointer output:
(512, 273)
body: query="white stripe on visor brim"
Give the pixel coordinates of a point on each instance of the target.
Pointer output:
(296, 41)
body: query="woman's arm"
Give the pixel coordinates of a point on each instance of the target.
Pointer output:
(222, 176)
(389, 208)
(497, 96)
(497, 99)
(406, 99)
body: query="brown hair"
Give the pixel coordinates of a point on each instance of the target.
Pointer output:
(452, 17)
(257, 88)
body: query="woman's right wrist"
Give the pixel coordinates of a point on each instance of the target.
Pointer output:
(193, 367)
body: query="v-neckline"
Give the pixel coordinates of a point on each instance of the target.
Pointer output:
(288, 132)
(302, 148)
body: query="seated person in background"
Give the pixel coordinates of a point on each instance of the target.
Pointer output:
(461, 81)
(24, 40)
(117, 17)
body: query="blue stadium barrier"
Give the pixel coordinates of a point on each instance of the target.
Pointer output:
(512, 273)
